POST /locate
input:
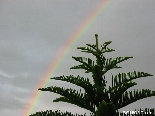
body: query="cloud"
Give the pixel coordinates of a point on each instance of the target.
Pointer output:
(6, 75)
(10, 103)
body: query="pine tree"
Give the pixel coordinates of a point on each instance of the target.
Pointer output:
(99, 99)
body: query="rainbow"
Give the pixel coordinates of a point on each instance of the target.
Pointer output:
(61, 56)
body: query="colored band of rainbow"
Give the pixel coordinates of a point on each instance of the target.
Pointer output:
(61, 56)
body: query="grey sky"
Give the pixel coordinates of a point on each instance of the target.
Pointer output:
(33, 32)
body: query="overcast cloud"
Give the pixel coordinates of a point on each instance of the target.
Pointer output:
(33, 32)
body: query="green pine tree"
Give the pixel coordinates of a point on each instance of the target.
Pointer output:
(99, 99)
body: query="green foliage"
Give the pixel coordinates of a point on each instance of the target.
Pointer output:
(56, 113)
(98, 99)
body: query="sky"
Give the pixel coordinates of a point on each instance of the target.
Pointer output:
(34, 32)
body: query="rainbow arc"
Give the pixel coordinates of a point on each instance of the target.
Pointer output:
(61, 56)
